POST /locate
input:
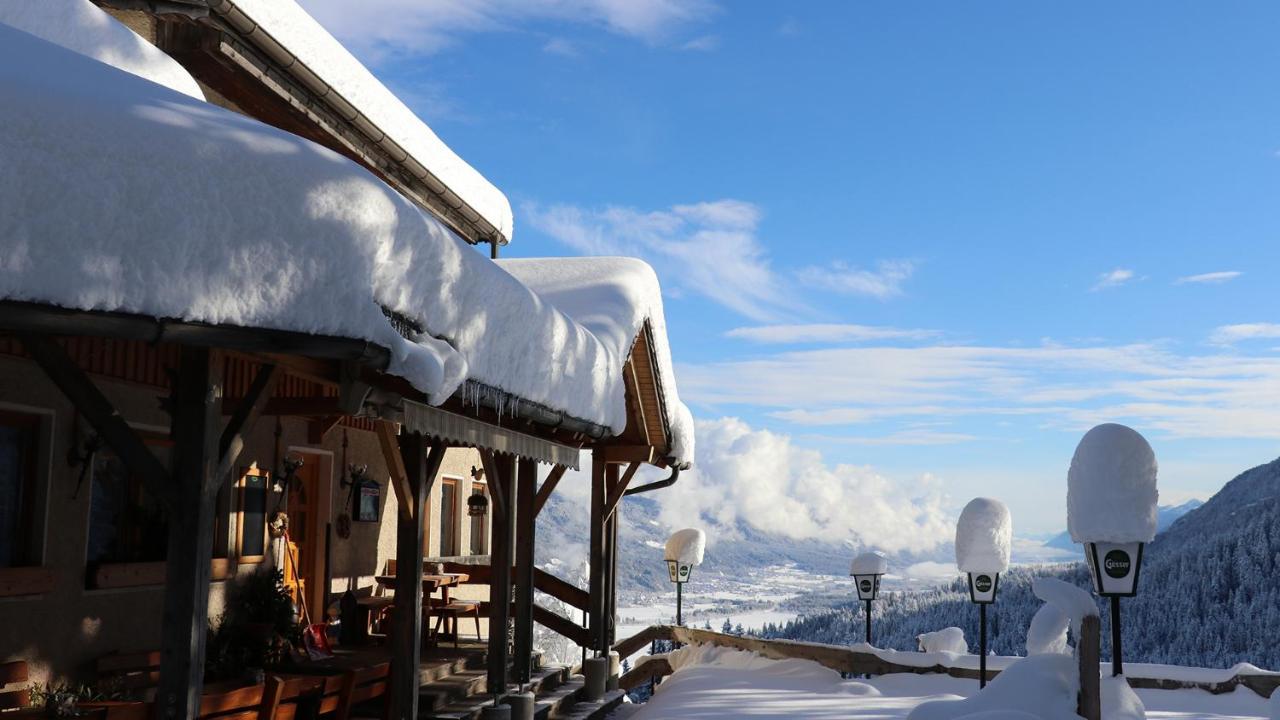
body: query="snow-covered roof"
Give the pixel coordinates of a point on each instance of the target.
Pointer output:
(984, 537)
(1111, 487)
(119, 194)
(291, 28)
(686, 546)
(869, 563)
(80, 26)
(613, 297)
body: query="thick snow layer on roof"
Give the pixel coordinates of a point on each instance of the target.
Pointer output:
(869, 563)
(984, 537)
(1111, 487)
(120, 194)
(301, 35)
(79, 25)
(613, 297)
(686, 546)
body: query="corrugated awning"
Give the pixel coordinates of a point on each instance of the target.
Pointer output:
(461, 430)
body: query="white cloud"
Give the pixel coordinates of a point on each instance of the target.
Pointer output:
(712, 249)
(427, 26)
(762, 479)
(1069, 388)
(704, 43)
(882, 283)
(826, 333)
(1114, 278)
(560, 46)
(1229, 334)
(1210, 277)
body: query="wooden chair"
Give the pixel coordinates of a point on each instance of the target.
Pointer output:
(376, 606)
(137, 673)
(14, 692)
(243, 703)
(451, 611)
(369, 687)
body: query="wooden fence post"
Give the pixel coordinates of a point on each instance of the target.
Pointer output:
(1089, 652)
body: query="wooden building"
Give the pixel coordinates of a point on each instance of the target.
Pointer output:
(143, 456)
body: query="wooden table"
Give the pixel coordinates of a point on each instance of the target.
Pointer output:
(430, 583)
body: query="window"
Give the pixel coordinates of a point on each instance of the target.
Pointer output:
(19, 437)
(126, 523)
(253, 489)
(479, 523)
(448, 517)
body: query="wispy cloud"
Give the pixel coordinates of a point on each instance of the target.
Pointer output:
(1210, 277)
(889, 389)
(882, 283)
(560, 46)
(712, 249)
(1114, 278)
(428, 26)
(1231, 334)
(826, 333)
(704, 43)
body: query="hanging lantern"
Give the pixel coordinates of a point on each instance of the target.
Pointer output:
(477, 505)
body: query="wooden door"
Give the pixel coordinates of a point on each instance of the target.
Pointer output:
(307, 533)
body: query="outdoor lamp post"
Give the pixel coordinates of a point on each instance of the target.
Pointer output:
(984, 537)
(683, 553)
(1111, 509)
(867, 569)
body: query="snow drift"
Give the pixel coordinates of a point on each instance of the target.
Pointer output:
(984, 537)
(686, 546)
(946, 640)
(869, 563)
(79, 26)
(1111, 487)
(1042, 687)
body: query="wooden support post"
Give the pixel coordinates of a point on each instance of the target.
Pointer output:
(612, 611)
(501, 484)
(1089, 651)
(197, 415)
(244, 417)
(613, 482)
(420, 467)
(618, 487)
(526, 516)
(392, 455)
(595, 551)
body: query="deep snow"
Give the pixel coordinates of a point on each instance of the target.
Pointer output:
(984, 537)
(1111, 487)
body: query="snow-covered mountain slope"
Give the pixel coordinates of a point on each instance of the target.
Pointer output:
(1165, 517)
(1209, 591)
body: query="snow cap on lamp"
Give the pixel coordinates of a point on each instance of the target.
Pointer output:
(869, 563)
(1111, 487)
(686, 546)
(984, 537)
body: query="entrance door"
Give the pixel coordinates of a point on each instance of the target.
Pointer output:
(307, 505)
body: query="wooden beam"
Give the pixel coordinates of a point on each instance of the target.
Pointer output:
(315, 406)
(619, 489)
(559, 624)
(526, 519)
(490, 464)
(244, 418)
(627, 453)
(1089, 652)
(501, 481)
(548, 487)
(89, 401)
(390, 445)
(421, 466)
(595, 551)
(319, 427)
(610, 564)
(567, 593)
(633, 384)
(185, 618)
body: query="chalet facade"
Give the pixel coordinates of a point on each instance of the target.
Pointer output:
(267, 308)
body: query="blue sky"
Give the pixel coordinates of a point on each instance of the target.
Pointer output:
(933, 242)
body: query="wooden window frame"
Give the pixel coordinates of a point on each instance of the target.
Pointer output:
(33, 578)
(252, 471)
(456, 540)
(32, 424)
(129, 574)
(484, 519)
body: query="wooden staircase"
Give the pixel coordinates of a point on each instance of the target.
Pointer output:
(457, 692)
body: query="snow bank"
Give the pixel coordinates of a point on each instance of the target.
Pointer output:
(1273, 705)
(869, 563)
(613, 297)
(686, 546)
(946, 640)
(324, 56)
(125, 195)
(1042, 687)
(79, 26)
(1074, 603)
(1111, 487)
(1047, 634)
(1119, 701)
(984, 537)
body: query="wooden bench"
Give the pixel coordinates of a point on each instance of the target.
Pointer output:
(14, 692)
(137, 673)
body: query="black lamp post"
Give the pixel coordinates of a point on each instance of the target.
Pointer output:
(984, 538)
(682, 553)
(867, 569)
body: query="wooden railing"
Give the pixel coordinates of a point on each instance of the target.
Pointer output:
(544, 582)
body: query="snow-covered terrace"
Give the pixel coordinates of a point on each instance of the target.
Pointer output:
(124, 195)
